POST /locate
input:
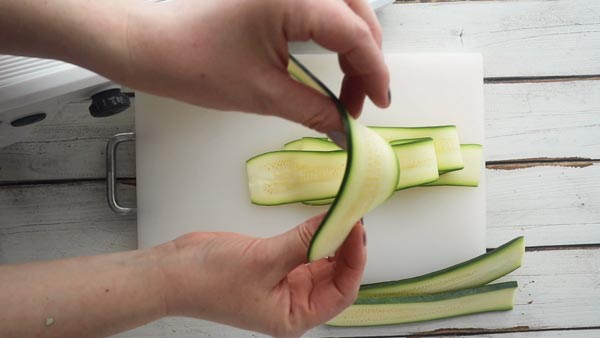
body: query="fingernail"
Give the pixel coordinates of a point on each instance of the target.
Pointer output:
(338, 138)
(389, 96)
(364, 238)
(362, 221)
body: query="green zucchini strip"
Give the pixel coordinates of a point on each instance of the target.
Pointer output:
(399, 310)
(416, 157)
(417, 161)
(445, 139)
(470, 175)
(474, 272)
(370, 176)
(289, 176)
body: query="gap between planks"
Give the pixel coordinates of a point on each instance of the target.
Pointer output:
(431, 1)
(572, 162)
(478, 331)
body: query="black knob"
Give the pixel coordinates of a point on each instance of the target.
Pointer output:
(109, 102)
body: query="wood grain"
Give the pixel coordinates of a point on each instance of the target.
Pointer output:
(553, 119)
(516, 38)
(517, 331)
(71, 146)
(556, 289)
(51, 221)
(547, 205)
(523, 120)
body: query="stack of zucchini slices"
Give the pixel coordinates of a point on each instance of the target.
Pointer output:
(376, 162)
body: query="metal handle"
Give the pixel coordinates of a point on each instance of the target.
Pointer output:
(111, 172)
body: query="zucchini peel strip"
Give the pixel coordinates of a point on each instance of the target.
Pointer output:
(471, 273)
(399, 310)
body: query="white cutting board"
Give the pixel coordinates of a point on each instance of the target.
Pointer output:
(191, 168)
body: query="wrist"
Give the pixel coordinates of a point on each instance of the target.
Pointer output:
(103, 40)
(177, 279)
(184, 281)
(162, 260)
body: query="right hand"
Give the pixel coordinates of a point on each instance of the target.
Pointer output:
(233, 55)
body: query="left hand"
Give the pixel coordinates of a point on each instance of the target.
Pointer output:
(262, 285)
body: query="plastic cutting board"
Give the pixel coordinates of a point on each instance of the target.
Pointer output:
(191, 168)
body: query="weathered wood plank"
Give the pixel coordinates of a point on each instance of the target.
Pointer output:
(548, 205)
(547, 334)
(523, 120)
(54, 221)
(553, 119)
(40, 222)
(71, 146)
(544, 334)
(516, 38)
(557, 289)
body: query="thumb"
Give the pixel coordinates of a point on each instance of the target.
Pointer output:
(291, 247)
(296, 102)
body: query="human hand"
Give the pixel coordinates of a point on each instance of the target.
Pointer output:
(258, 284)
(232, 55)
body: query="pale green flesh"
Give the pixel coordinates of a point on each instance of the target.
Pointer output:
(417, 161)
(370, 176)
(282, 177)
(474, 272)
(445, 139)
(470, 175)
(387, 311)
(416, 158)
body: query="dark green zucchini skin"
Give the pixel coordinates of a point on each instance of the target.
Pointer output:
(513, 249)
(437, 296)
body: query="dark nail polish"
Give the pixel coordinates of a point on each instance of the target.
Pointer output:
(362, 221)
(389, 97)
(364, 238)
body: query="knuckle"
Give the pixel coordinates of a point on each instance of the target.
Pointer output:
(362, 30)
(377, 33)
(304, 235)
(318, 119)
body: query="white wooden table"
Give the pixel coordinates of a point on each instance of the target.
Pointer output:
(542, 66)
